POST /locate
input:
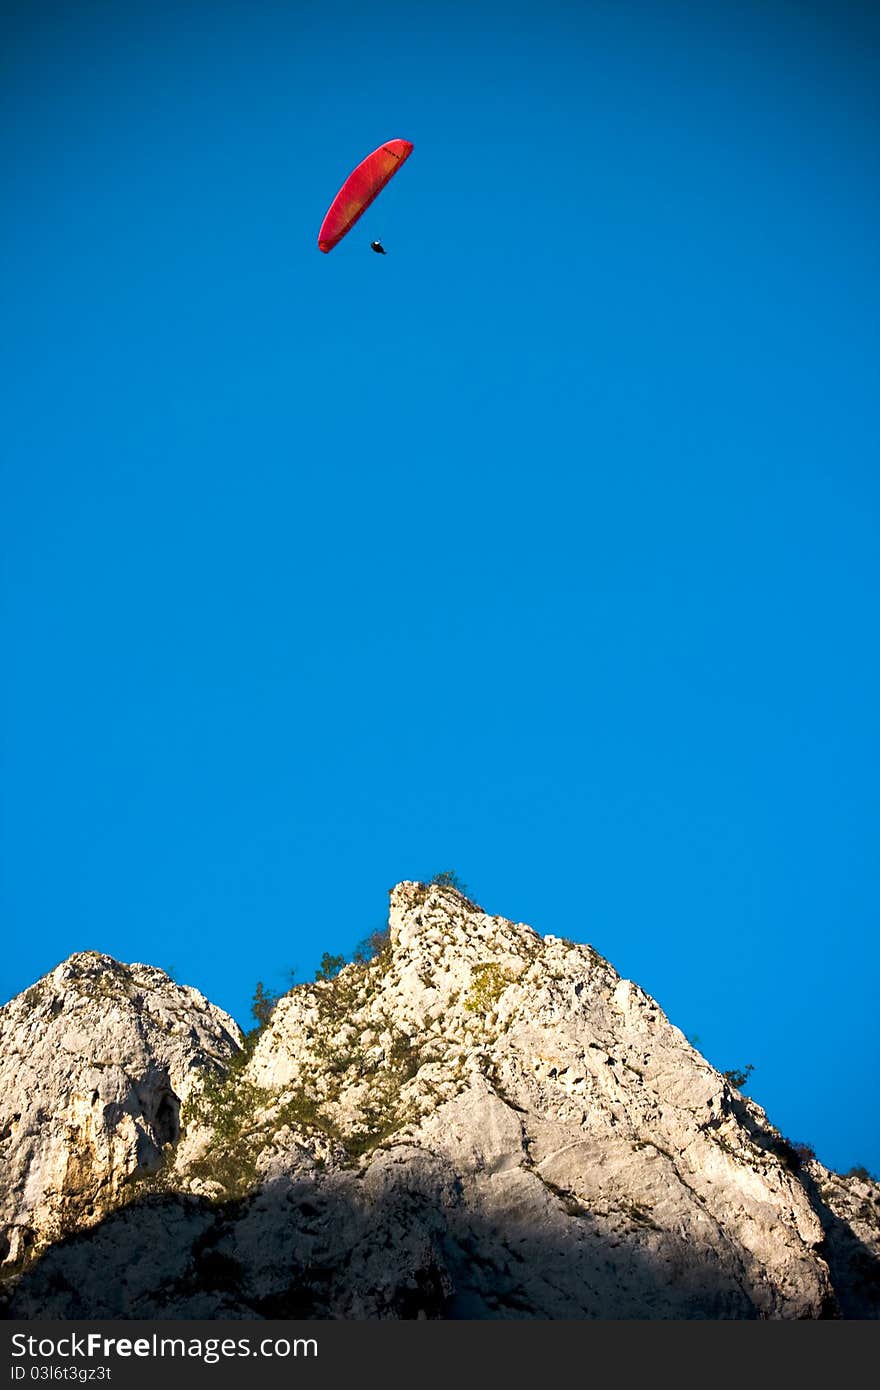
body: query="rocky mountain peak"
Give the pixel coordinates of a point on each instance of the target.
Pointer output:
(95, 1059)
(468, 1120)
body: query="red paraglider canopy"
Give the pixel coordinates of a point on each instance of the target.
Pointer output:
(359, 190)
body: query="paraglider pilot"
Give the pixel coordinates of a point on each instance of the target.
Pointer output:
(378, 248)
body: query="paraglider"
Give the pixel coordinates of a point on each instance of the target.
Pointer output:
(360, 188)
(378, 248)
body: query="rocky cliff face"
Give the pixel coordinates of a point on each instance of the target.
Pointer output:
(478, 1122)
(95, 1060)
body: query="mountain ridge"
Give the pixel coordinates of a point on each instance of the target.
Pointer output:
(478, 1121)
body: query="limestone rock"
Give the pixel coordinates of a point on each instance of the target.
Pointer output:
(95, 1059)
(478, 1122)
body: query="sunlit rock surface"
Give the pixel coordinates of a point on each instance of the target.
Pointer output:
(476, 1122)
(95, 1060)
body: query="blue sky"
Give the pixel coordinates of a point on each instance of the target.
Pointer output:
(544, 548)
